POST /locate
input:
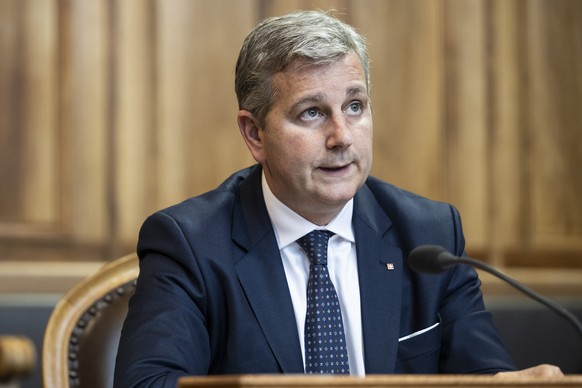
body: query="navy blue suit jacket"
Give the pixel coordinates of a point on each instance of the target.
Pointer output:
(212, 296)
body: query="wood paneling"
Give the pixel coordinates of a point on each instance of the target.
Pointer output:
(29, 189)
(465, 129)
(110, 110)
(506, 85)
(554, 56)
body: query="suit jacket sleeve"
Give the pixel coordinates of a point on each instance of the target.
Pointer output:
(164, 335)
(470, 342)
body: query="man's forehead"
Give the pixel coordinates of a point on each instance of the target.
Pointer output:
(302, 74)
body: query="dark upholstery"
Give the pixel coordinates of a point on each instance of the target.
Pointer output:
(94, 342)
(536, 335)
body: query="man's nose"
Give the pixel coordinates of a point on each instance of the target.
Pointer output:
(339, 133)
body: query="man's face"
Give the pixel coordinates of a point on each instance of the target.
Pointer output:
(316, 146)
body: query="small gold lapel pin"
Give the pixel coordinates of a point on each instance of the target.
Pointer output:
(390, 266)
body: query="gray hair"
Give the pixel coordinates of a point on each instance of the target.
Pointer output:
(275, 42)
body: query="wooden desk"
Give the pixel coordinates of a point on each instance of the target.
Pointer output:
(376, 381)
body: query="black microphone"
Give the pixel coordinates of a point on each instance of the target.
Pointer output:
(436, 259)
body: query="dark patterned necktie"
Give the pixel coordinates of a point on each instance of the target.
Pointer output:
(325, 344)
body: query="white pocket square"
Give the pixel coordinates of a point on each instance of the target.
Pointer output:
(409, 336)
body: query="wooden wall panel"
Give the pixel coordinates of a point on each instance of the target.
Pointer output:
(38, 114)
(89, 118)
(9, 168)
(554, 43)
(465, 129)
(173, 104)
(133, 138)
(28, 109)
(110, 110)
(505, 81)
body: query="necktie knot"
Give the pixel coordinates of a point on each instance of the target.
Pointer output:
(314, 244)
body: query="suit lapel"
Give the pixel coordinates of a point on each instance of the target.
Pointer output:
(262, 275)
(380, 276)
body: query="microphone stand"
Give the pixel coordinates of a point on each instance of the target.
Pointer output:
(526, 290)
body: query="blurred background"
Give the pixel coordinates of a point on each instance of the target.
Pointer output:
(112, 109)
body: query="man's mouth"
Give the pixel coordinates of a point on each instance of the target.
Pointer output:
(336, 168)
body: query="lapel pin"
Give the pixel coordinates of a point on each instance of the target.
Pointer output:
(390, 266)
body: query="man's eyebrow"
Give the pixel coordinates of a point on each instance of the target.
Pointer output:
(356, 90)
(309, 99)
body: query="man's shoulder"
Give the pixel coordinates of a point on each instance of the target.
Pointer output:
(212, 202)
(418, 219)
(402, 204)
(388, 193)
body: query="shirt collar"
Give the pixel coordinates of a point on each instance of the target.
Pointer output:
(290, 226)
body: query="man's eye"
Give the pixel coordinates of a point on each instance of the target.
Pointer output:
(354, 107)
(310, 114)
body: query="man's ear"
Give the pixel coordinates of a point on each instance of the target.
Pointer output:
(252, 134)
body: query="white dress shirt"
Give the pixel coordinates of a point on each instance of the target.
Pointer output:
(342, 266)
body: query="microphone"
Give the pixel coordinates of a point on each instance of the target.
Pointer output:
(435, 259)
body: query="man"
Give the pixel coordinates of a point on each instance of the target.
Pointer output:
(226, 278)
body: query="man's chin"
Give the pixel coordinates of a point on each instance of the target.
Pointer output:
(336, 199)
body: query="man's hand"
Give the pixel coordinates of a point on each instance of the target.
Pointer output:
(543, 370)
